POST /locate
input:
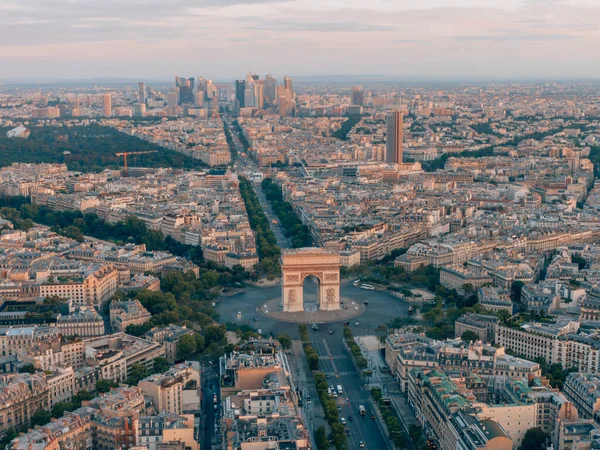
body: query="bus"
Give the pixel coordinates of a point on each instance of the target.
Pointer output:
(367, 287)
(362, 410)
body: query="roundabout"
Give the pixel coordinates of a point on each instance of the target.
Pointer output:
(273, 309)
(245, 308)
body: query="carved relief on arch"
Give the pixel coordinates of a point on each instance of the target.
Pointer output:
(319, 275)
(331, 277)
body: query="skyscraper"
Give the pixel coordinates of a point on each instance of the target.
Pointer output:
(287, 82)
(283, 101)
(270, 90)
(141, 92)
(394, 135)
(249, 96)
(106, 105)
(357, 96)
(259, 94)
(240, 89)
(172, 98)
(186, 89)
(202, 85)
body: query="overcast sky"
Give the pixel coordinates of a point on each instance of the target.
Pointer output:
(223, 39)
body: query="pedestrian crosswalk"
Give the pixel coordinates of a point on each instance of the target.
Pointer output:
(340, 373)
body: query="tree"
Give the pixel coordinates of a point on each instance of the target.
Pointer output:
(186, 347)
(469, 336)
(103, 386)
(27, 368)
(136, 373)
(82, 396)
(161, 365)
(60, 408)
(285, 341)
(40, 417)
(321, 438)
(534, 439)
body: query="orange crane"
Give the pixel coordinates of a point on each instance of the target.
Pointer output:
(124, 155)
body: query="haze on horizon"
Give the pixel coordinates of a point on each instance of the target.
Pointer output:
(223, 39)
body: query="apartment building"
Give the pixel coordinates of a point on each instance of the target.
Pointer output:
(92, 290)
(169, 337)
(83, 322)
(583, 390)
(407, 352)
(482, 325)
(131, 312)
(21, 395)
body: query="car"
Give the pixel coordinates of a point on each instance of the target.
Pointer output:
(373, 416)
(350, 418)
(343, 421)
(308, 399)
(361, 444)
(355, 324)
(331, 332)
(339, 408)
(366, 302)
(259, 331)
(213, 304)
(255, 319)
(347, 322)
(347, 431)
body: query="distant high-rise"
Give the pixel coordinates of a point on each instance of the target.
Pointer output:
(259, 95)
(357, 96)
(139, 109)
(201, 85)
(287, 82)
(394, 130)
(172, 98)
(199, 98)
(106, 105)
(240, 90)
(270, 90)
(283, 100)
(186, 94)
(141, 92)
(249, 97)
(210, 89)
(186, 89)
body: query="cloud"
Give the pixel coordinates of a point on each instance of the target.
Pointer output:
(511, 37)
(318, 36)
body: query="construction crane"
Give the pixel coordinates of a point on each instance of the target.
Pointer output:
(124, 155)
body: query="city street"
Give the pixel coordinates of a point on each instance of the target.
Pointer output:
(337, 364)
(208, 424)
(245, 163)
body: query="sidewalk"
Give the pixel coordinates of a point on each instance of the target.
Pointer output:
(388, 384)
(312, 413)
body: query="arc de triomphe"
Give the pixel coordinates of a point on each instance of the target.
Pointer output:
(297, 264)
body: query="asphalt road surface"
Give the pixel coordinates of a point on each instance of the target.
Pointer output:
(208, 423)
(337, 364)
(241, 309)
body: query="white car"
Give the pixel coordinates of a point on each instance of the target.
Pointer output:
(343, 421)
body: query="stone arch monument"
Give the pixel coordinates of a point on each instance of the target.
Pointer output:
(297, 264)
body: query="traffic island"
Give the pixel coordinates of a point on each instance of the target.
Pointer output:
(273, 309)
